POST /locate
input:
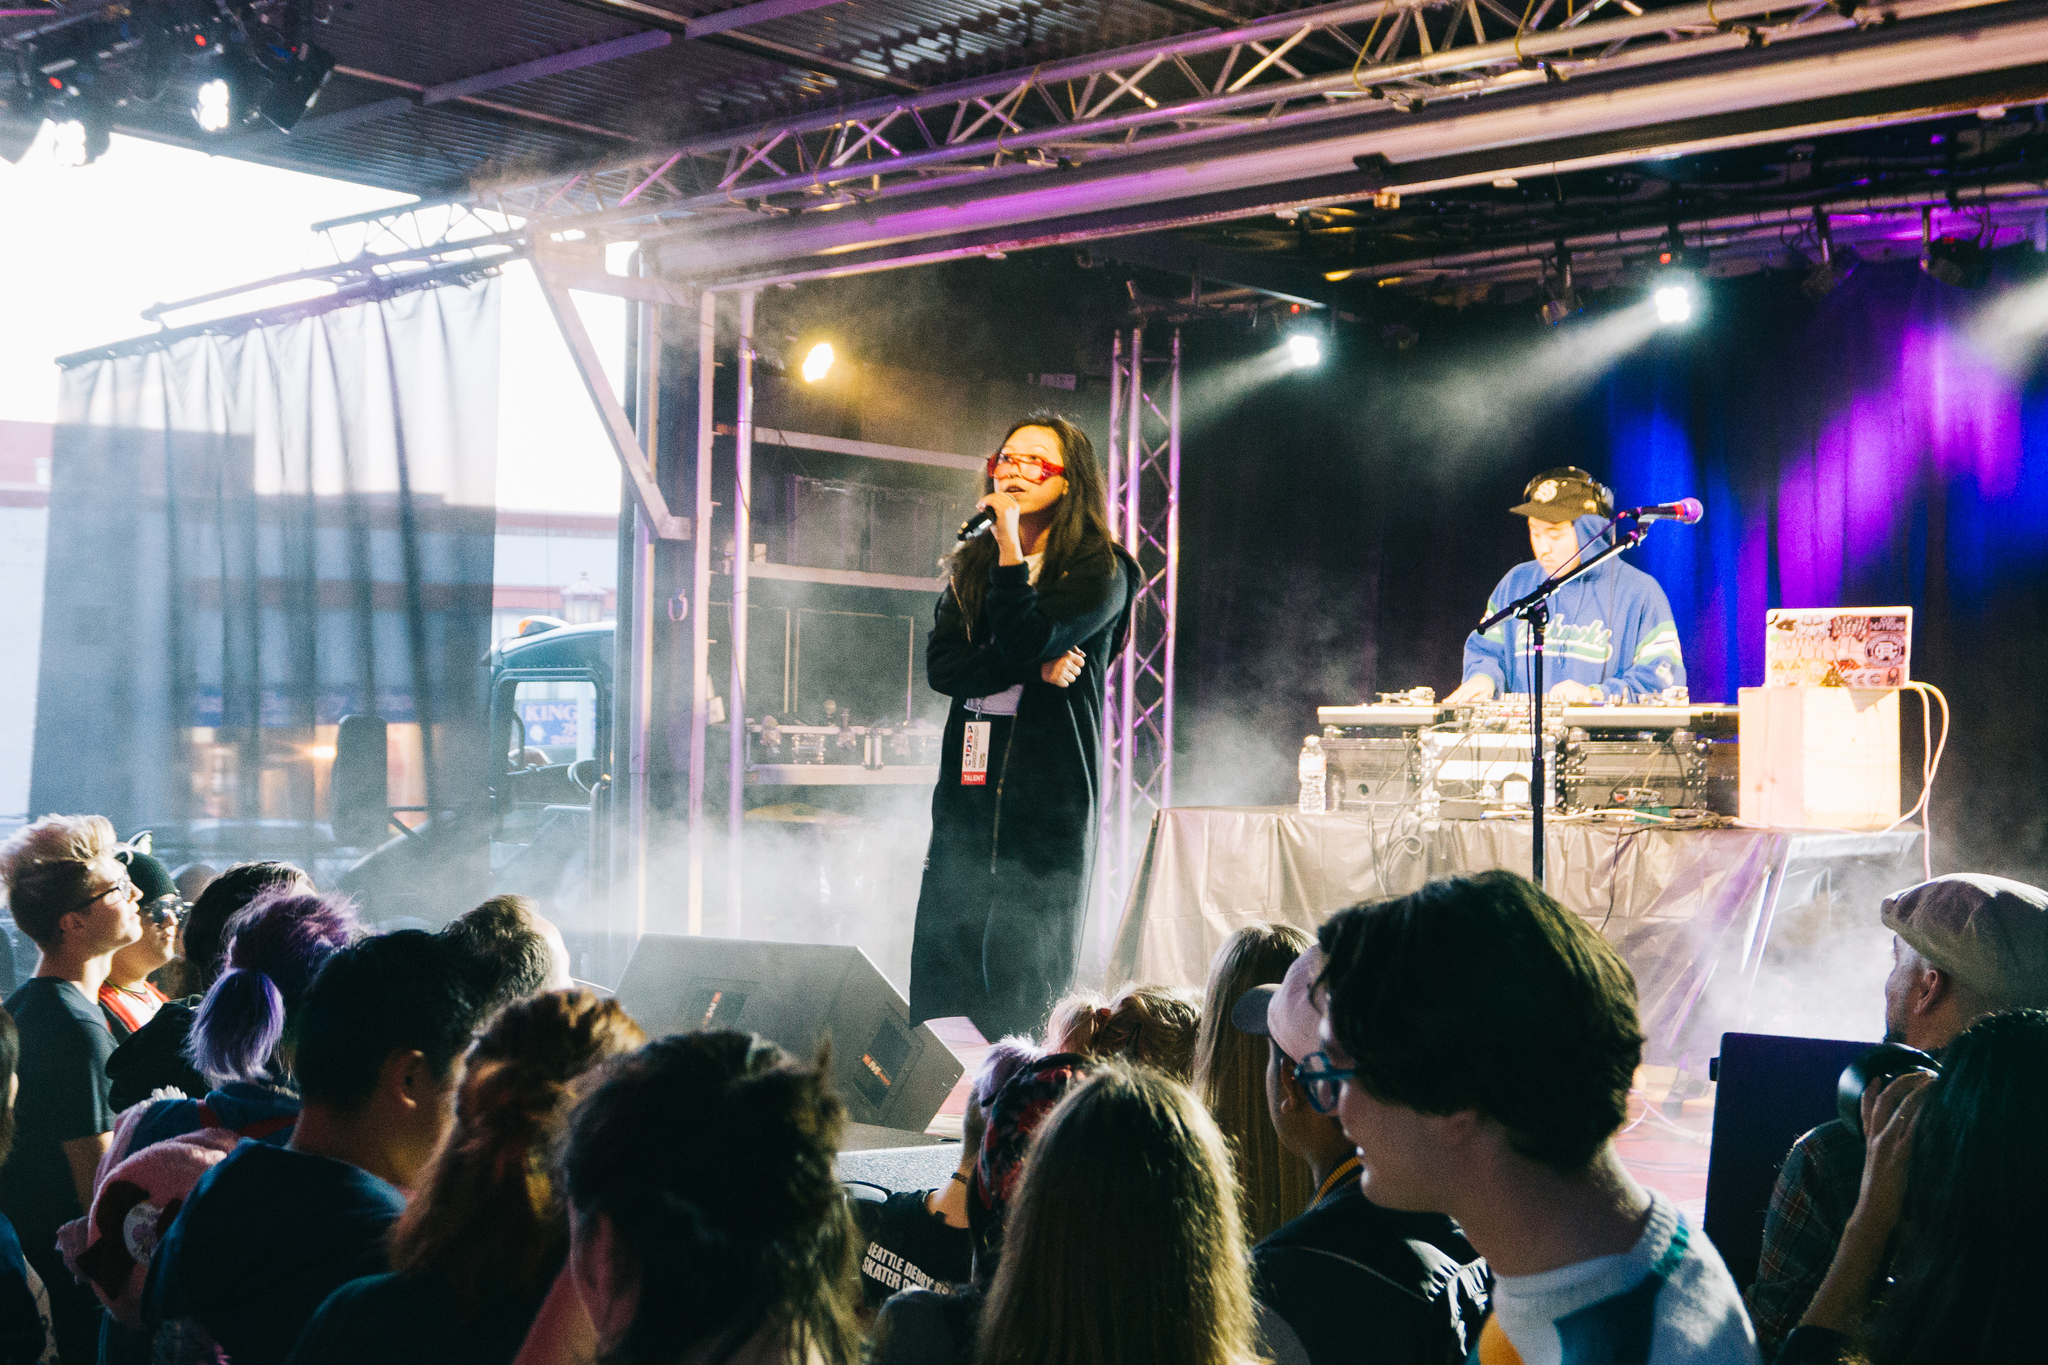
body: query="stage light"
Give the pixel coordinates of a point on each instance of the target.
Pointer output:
(1304, 350)
(82, 138)
(818, 362)
(1673, 301)
(1835, 264)
(1560, 299)
(1957, 261)
(211, 108)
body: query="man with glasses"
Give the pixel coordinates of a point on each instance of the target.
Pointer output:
(1347, 1280)
(72, 897)
(1479, 1043)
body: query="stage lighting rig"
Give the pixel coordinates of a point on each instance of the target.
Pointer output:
(1672, 299)
(818, 362)
(1836, 264)
(1958, 261)
(1560, 299)
(1304, 350)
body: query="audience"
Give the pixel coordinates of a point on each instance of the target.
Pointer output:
(1965, 946)
(1230, 1076)
(1348, 1279)
(154, 1057)
(1123, 1244)
(516, 953)
(127, 996)
(270, 1232)
(1153, 1026)
(72, 897)
(705, 1220)
(476, 1250)
(919, 1239)
(25, 1335)
(1479, 1042)
(1956, 1164)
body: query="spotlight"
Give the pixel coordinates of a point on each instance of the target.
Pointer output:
(1957, 261)
(1560, 299)
(818, 362)
(1305, 350)
(1673, 300)
(294, 83)
(211, 108)
(1835, 265)
(82, 138)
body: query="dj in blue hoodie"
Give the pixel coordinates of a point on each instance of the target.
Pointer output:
(1610, 629)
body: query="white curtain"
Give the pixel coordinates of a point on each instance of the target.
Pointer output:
(255, 528)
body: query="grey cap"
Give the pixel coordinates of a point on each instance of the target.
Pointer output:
(1990, 933)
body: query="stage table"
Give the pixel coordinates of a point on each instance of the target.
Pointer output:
(1690, 910)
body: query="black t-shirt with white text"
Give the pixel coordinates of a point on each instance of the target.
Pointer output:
(909, 1247)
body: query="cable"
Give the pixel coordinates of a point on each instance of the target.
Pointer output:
(1930, 763)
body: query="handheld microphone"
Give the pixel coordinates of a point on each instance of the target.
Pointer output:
(979, 522)
(1685, 512)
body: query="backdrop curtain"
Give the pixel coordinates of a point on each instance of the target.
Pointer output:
(257, 528)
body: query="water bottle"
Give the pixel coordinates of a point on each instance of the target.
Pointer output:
(1313, 769)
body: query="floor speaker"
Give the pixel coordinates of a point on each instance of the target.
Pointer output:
(887, 1073)
(1770, 1091)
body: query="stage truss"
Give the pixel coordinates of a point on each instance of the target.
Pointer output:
(1143, 470)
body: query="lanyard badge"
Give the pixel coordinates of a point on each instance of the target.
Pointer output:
(974, 754)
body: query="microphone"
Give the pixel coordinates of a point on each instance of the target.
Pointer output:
(983, 518)
(1685, 512)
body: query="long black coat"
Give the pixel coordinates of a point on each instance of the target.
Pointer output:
(1006, 878)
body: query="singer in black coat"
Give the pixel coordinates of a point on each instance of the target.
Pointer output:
(1006, 878)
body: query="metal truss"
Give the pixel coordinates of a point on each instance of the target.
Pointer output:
(1176, 92)
(1143, 470)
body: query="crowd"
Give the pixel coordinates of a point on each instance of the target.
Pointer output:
(254, 1131)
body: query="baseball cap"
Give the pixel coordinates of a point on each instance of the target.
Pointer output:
(1286, 1012)
(1990, 933)
(1565, 494)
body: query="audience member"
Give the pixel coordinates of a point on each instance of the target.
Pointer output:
(1230, 1076)
(270, 1232)
(154, 1058)
(1123, 1244)
(706, 1224)
(924, 1327)
(1153, 1026)
(475, 1252)
(1957, 1166)
(517, 954)
(26, 1337)
(919, 1239)
(1479, 1042)
(1964, 946)
(73, 899)
(127, 996)
(1348, 1280)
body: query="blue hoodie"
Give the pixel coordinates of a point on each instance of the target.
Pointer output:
(1610, 628)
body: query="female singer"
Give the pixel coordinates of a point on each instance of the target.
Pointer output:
(1036, 608)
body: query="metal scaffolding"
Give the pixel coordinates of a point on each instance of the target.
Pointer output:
(1143, 470)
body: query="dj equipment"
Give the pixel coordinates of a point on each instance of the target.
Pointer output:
(796, 994)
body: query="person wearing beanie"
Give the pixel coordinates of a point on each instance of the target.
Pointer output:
(127, 997)
(1965, 945)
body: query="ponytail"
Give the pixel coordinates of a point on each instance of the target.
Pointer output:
(238, 1027)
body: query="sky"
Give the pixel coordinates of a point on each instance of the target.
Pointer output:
(84, 249)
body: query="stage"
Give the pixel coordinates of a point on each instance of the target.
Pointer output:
(1702, 915)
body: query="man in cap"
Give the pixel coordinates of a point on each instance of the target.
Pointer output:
(1966, 945)
(1610, 632)
(1347, 1280)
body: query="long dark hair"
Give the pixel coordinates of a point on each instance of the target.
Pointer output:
(1123, 1243)
(712, 1156)
(1971, 1259)
(1080, 520)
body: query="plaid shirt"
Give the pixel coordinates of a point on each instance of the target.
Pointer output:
(1811, 1205)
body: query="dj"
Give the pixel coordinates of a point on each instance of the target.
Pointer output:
(1610, 633)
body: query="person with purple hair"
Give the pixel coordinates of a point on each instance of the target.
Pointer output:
(242, 1033)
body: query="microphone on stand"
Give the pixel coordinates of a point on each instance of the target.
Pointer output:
(984, 518)
(1685, 512)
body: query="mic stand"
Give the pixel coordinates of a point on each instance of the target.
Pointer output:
(1534, 609)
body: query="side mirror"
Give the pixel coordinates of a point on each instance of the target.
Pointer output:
(360, 786)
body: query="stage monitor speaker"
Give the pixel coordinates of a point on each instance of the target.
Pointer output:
(1771, 1090)
(887, 1073)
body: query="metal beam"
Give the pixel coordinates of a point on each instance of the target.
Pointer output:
(760, 11)
(492, 107)
(573, 60)
(1184, 256)
(670, 22)
(742, 558)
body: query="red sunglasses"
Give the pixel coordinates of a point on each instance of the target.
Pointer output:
(1027, 466)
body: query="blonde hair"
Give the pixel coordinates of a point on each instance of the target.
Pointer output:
(1151, 1025)
(1230, 1076)
(1123, 1243)
(48, 866)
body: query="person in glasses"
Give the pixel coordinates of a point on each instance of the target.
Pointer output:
(1033, 611)
(72, 897)
(1347, 1280)
(1479, 1041)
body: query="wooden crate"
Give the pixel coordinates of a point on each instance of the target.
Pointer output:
(1820, 757)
